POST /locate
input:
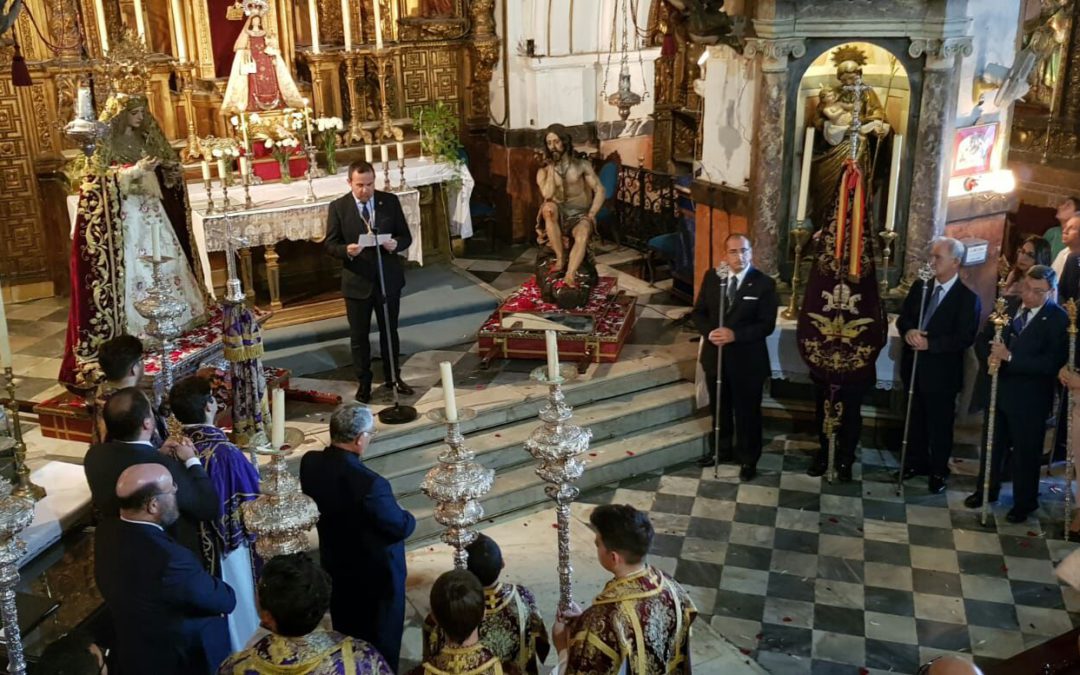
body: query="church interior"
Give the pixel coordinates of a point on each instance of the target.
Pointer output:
(571, 176)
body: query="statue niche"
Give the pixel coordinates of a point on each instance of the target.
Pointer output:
(259, 80)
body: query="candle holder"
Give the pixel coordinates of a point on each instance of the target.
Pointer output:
(24, 487)
(800, 235)
(282, 515)
(386, 125)
(211, 209)
(226, 206)
(403, 186)
(16, 514)
(386, 178)
(161, 310)
(456, 485)
(833, 414)
(310, 198)
(558, 447)
(248, 203)
(888, 236)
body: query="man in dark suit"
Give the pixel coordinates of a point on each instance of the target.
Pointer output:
(362, 533)
(950, 319)
(166, 609)
(129, 422)
(1033, 349)
(367, 211)
(749, 317)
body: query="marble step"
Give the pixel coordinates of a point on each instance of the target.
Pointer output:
(502, 447)
(519, 490)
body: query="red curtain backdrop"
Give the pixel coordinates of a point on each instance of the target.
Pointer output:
(223, 34)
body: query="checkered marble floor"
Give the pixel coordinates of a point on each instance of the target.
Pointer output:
(808, 577)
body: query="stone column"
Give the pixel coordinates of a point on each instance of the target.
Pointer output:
(933, 147)
(767, 162)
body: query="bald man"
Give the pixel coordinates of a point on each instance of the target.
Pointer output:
(950, 665)
(168, 611)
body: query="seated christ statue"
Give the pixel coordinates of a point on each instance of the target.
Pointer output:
(260, 80)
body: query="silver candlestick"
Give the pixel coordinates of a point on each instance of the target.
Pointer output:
(282, 515)
(386, 177)
(226, 206)
(401, 169)
(24, 487)
(310, 198)
(16, 513)
(211, 209)
(161, 311)
(558, 446)
(248, 203)
(456, 485)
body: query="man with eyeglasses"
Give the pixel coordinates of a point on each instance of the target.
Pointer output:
(749, 317)
(362, 533)
(1032, 351)
(168, 612)
(950, 319)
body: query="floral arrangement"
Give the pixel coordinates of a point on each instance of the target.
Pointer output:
(213, 149)
(328, 129)
(282, 144)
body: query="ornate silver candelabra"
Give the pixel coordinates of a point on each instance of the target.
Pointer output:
(559, 446)
(456, 485)
(161, 310)
(24, 486)
(282, 515)
(16, 512)
(310, 150)
(889, 236)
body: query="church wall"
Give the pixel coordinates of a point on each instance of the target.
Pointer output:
(728, 125)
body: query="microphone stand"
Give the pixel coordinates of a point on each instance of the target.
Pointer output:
(925, 275)
(723, 270)
(396, 414)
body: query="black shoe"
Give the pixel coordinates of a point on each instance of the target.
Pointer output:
(975, 500)
(747, 472)
(912, 472)
(937, 484)
(817, 469)
(363, 393)
(403, 389)
(843, 473)
(1016, 516)
(706, 461)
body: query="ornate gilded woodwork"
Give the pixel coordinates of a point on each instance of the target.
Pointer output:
(485, 54)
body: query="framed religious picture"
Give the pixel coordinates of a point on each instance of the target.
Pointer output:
(973, 148)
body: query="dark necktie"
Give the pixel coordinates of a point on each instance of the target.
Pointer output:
(1020, 322)
(732, 289)
(935, 300)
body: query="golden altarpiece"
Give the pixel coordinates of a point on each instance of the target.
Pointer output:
(431, 51)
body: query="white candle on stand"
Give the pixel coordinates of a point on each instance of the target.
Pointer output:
(894, 181)
(206, 171)
(277, 416)
(313, 13)
(550, 339)
(140, 22)
(369, 155)
(244, 130)
(155, 243)
(5, 342)
(449, 399)
(384, 153)
(400, 151)
(307, 120)
(103, 31)
(178, 31)
(221, 169)
(804, 178)
(346, 23)
(245, 166)
(378, 24)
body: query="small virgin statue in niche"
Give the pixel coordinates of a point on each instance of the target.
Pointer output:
(259, 80)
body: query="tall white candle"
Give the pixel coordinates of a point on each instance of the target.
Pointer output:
(378, 24)
(804, 178)
(155, 242)
(221, 169)
(277, 417)
(5, 342)
(206, 171)
(140, 21)
(178, 31)
(313, 13)
(245, 166)
(103, 32)
(894, 181)
(552, 343)
(400, 150)
(369, 155)
(449, 399)
(307, 120)
(346, 23)
(244, 130)
(384, 153)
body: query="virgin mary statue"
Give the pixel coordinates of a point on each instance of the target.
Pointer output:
(132, 190)
(259, 79)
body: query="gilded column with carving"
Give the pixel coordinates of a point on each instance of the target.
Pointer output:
(766, 164)
(937, 121)
(485, 54)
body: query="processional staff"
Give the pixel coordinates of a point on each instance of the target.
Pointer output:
(1070, 468)
(1000, 319)
(926, 273)
(723, 270)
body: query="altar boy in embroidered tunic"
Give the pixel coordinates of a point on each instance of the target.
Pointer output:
(640, 622)
(236, 482)
(512, 627)
(457, 602)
